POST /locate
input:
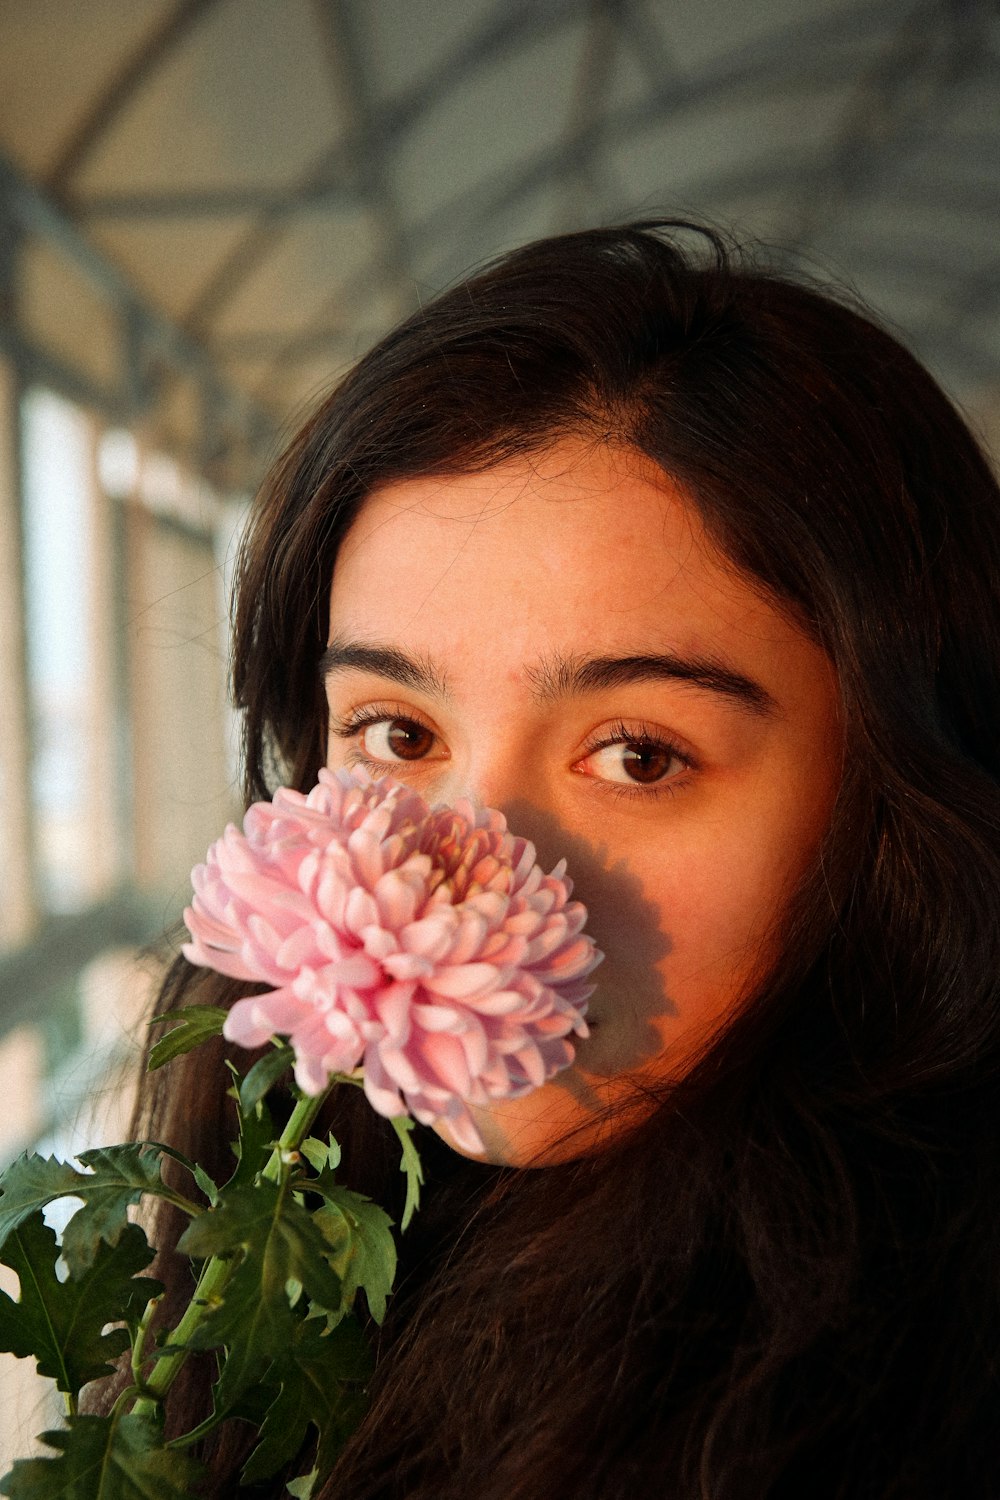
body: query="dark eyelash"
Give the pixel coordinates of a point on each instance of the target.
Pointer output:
(351, 725)
(347, 727)
(638, 734)
(646, 736)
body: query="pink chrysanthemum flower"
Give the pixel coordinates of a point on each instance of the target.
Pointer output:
(424, 943)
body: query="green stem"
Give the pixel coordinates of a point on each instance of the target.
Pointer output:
(184, 1204)
(123, 1398)
(216, 1271)
(141, 1335)
(294, 1133)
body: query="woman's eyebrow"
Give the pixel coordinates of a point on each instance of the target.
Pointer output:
(343, 655)
(560, 676)
(564, 676)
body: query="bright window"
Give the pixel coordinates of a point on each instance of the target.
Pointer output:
(68, 618)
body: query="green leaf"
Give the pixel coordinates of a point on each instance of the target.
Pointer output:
(104, 1458)
(275, 1232)
(410, 1164)
(28, 1184)
(359, 1243)
(61, 1323)
(302, 1488)
(265, 1071)
(321, 1375)
(199, 1174)
(280, 1246)
(250, 1327)
(197, 1024)
(118, 1177)
(206, 1184)
(256, 1139)
(323, 1155)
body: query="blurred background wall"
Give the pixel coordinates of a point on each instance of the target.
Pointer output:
(210, 208)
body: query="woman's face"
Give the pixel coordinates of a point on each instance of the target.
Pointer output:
(558, 638)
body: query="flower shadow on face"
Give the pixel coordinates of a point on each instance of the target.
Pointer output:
(625, 924)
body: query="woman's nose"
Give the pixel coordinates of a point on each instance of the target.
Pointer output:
(525, 796)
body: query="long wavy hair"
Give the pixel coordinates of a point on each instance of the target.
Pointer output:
(783, 1281)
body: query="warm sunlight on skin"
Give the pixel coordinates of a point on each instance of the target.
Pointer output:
(559, 639)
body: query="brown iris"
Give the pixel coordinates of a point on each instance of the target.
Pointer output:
(407, 739)
(646, 762)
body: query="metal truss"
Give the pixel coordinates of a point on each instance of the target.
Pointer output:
(150, 346)
(900, 89)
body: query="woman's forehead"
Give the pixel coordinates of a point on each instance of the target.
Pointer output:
(577, 504)
(583, 549)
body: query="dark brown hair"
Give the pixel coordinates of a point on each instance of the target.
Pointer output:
(783, 1282)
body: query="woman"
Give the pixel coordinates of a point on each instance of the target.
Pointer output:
(693, 571)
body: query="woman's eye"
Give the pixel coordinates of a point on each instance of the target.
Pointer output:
(396, 739)
(635, 762)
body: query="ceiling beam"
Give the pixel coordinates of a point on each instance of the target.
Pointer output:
(890, 108)
(149, 339)
(350, 77)
(516, 24)
(789, 62)
(793, 60)
(647, 43)
(121, 89)
(578, 190)
(219, 203)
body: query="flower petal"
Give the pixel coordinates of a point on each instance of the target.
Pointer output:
(464, 980)
(428, 940)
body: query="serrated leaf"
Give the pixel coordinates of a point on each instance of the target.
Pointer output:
(256, 1139)
(206, 1184)
(199, 1174)
(60, 1323)
(265, 1071)
(279, 1246)
(197, 1024)
(323, 1155)
(118, 1177)
(360, 1245)
(265, 1220)
(251, 1328)
(274, 1231)
(410, 1164)
(321, 1377)
(315, 1153)
(302, 1488)
(252, 1405)
(28, 1184)
(104, 1458)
